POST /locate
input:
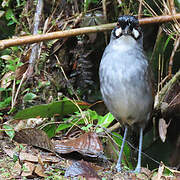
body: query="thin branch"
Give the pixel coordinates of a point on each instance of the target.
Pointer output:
(176, 45)
(172, 6)
(74, 32)
(140, 9)
(35, 48)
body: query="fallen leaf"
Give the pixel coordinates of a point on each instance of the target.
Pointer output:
(28, 156)
(7, 79)
(160, 173)
(81, 168)
(21, 70)
(39, 170)
(28, 169)
(163, 129)
(34, 137)
(17, 169)
(87, 144)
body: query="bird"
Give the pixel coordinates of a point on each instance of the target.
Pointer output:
(126, 80)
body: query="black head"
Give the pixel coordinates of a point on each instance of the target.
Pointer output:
(127, 25)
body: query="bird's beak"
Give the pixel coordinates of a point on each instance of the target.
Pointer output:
(127, 31)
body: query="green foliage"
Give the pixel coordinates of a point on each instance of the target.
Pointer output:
(50, 130)
(61, 108)
(105, 121)
(9, 130)
(6, 99)
(9, 15)
(90, 116)
(71, 121)
(167, 42)
(29, 97)
(13, 64)
(11, 59)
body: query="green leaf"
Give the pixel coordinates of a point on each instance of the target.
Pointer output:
(61, 108)
(104, 121)
(10, 17)
(167, 41)
(93, 114)
(2, 89)
(18, 3)
(12, 68)
(15, 157)
(62, 127)
(15, 49)
(9, 14)
(29, 97)
(11, 22)
(86, 128)
(50, 130)
(10, 131)
(5, 103)
(70, 124)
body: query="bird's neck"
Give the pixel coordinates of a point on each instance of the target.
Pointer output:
(124, 43)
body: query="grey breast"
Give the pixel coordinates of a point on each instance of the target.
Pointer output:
(124, 82)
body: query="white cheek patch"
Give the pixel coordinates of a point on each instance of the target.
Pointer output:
(118, 32)
(135, 33)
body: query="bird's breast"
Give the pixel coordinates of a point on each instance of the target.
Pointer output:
(124, 85)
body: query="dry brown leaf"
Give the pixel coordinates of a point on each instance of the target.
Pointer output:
(81, 168)
(34, 137)
(163, 129)
(21, 70)
(28, 156)
(7, 79)
(34, 158)
(28, 169)
(27, 123)
(17, 169)
(86, 144)
(39, 170)
(160, 173)
(177, 174)
(146, 171)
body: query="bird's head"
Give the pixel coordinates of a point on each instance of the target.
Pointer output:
(127, 26)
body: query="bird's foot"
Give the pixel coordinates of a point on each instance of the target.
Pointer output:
(137, 170)
(119, 168)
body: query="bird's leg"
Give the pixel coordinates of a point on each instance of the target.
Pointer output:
(138, 167)
(118, 166)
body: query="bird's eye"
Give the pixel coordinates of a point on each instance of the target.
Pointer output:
(135, 33)
(118, 32)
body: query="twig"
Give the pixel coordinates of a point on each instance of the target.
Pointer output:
(105, 18)
(140, 9)
(64, 74)
(35, 48)
(74, 32)
(176, 44)
(172, 7)
(18, 89)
